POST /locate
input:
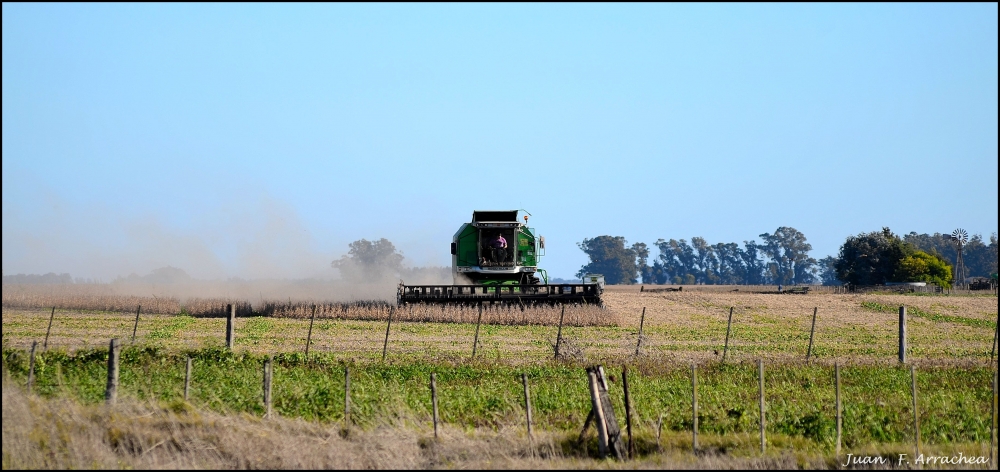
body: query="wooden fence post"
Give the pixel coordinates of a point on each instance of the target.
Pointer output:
(385, 345)
(187, 379)
(598, 409)
(268, 371)
(31, 366)
(111, 390)
(902, 335)
(996, 334)
(309, 336)
(559, 333)
(527, 403)
(642, 321)
(694, 407)
(434, 400)
(836, 374)
(916, 419)
(347, 397)
(993, 423)
(729, 326)
(475, 340)
(628, 412)
(760, 372)
(812, 334)
(136, 325)
(230, 322)
(45, 347)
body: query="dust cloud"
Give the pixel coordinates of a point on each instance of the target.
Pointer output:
(253, 249)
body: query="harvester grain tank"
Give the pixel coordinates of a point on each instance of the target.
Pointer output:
(494, 259)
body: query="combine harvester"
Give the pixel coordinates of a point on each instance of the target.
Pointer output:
(494, 259)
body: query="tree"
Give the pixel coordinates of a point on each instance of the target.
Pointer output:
(753, 264)
(641, 259)
(923, 267)
(789, 253)
(871, 258)
(610, 257)
(370, 261)
(828, 271)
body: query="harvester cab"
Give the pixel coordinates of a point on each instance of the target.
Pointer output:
(494, 258)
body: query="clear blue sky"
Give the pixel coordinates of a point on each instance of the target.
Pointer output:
(259, 140)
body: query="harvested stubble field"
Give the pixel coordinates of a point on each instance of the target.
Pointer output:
(679, 327)
(950, 339)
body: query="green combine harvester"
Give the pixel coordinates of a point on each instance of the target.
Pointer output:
(494, 259)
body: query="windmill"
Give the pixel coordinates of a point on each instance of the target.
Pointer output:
(960, 236)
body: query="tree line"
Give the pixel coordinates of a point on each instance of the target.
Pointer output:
(782, 258)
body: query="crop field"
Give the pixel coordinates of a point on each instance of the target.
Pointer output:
(481, 400)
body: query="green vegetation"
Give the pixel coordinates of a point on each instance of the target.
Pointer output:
(954, 402)
(975, 322)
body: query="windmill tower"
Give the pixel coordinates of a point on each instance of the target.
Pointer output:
(960, 236)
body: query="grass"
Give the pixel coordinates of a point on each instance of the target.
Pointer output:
(954, 402)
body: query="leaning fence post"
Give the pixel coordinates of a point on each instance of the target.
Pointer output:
(187, 378)
(694, 407)
(136, 325)
(268, 371)
(598, 410)
(434, 402)
(902, 335)
(111, 390)
(760, 372)
(642, 321)
(230, 322)
(45, 347)
(559, 333)
(309, 336)
(527, 403)
(812, 333)
(31, 366)
(729, 326)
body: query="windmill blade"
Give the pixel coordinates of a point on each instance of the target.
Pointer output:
(960, 235)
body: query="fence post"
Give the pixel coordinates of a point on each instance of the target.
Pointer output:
(916, 419)
(347, 397)
(45, 347)
(309, 336)
(729, 326)
(434, 401)
(136, 325)
(111, 390)
(230, 322)
(268, 371)
(187, 379)
(993, 423)
(559, 333)
(902, 335)
(598, 409)
(760, 372)
(996, 332)
(475, 340)
(694, 408)
(31, 366)
(836, 374)
(385, 345)
(527, 402)
(812, 333)
(628, 412)
(642, 321)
